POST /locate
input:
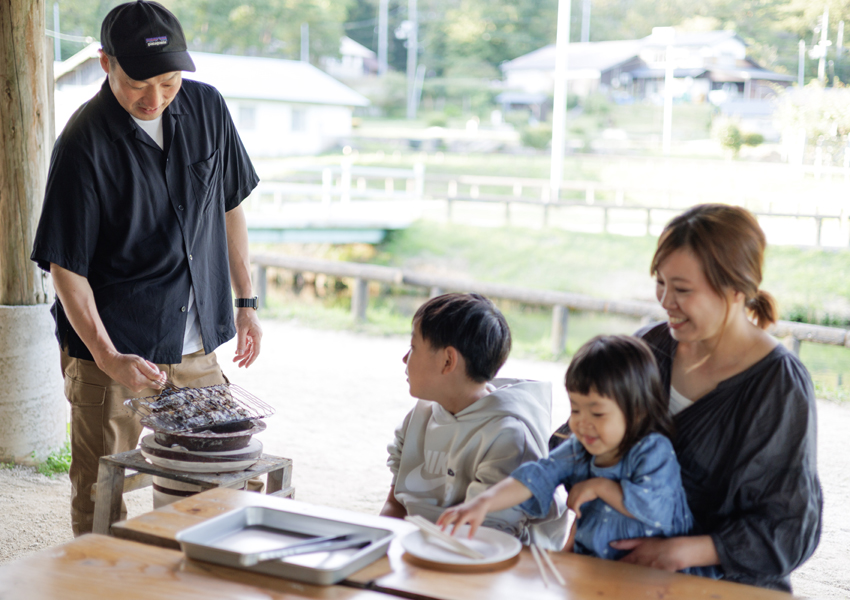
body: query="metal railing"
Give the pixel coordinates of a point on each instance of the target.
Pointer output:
(561, 302)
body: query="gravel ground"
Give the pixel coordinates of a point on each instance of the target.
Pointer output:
(338, 397)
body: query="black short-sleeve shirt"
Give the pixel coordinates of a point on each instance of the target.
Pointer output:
(145, 224)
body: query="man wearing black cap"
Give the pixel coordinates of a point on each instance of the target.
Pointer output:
(144, 235)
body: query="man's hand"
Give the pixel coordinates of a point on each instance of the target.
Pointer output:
(131, 371)
(248, 336)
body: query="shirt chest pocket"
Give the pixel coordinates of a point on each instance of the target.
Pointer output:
(207, 182)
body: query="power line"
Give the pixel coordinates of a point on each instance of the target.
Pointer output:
(70, 38)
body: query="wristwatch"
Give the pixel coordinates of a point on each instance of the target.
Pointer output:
(247, 303)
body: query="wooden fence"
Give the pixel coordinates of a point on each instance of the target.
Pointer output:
(561, 302)
(348, 182)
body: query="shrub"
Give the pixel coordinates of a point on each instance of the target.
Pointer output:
(753, 139)
(730, 137)
(537, 136)
(58, 461)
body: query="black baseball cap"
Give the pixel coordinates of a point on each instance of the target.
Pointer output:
(146, 39)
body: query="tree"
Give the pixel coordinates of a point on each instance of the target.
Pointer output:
(257, 27)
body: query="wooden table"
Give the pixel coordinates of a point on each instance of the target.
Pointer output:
(112, 483)
(95, 567)
(586, 577)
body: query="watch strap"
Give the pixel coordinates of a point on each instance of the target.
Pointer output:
(246, 303)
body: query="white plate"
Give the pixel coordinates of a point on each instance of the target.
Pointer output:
(496, 546)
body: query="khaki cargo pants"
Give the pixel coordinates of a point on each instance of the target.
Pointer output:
(101, 425)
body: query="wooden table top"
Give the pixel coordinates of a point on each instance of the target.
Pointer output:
(95, 567)
(585, 577)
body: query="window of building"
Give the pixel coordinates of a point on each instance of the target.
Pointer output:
(299, 119)
(247, 118)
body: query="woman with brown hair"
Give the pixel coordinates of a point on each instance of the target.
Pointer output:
(743, 406)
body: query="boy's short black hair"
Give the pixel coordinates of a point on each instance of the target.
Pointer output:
(623, 368)
(472, 325)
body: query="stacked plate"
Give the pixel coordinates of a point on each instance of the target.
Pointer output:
(178, 458)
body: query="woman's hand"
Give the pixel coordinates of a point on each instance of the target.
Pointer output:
(670, 554)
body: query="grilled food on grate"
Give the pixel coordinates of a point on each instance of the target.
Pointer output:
(193, 409)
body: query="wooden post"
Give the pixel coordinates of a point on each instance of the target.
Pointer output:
(792, 343)
(419, 178)
(25, 144)
(435, 291)
(507, 214)
(345, 181)
(560, 321)
(605, 219)
(648, 221)
(260, 284)
(327, 183)
(32, 409)
(359, 298)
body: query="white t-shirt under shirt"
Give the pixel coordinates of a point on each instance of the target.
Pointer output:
(678, 402)
(192, 341)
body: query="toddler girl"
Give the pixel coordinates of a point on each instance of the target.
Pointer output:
(618, 465)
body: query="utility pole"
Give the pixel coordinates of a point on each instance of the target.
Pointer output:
(559, 108)
(383, 25)
(801, 64)
(667, 35)
(57, 45)
(824, 42)
(305, 42)
(412, 51)
(585, 21)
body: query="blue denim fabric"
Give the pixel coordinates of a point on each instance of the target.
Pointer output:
(652, 492)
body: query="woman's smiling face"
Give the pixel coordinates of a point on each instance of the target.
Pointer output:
(695, 311)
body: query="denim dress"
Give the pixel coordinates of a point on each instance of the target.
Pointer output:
(652, 492)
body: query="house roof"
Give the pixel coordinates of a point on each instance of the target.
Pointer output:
(251, 78)
(72, 62)
(599, 56)
(745, 73)
(348, 47)
(648, 73)
(258, 78)
(692, 38)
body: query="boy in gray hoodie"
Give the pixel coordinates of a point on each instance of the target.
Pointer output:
(467, 431)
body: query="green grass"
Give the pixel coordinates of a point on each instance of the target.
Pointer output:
(58, 461)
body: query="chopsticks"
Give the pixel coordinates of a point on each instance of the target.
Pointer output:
(428, 528)
(540, 556)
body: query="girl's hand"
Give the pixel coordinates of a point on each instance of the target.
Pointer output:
(582, 492)
(570, 546)
(472, 512)
(671, 554)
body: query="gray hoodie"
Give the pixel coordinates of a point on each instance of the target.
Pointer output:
(439, 459)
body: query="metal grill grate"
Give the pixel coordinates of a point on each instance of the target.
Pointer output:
(193, 409)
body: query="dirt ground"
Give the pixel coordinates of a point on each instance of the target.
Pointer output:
(338, 397)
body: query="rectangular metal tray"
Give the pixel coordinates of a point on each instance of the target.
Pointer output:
(223, 539)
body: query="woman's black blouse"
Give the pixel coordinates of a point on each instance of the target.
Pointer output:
(748, 455)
